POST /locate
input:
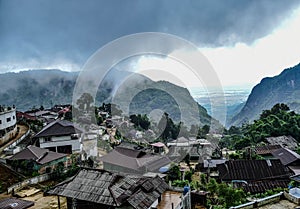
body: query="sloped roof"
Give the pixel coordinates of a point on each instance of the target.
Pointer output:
(135, 159)
(103, 187)
(212, 163)
(14, 203)
(58, 128)
(284, 141)
(252, 170)
(25, 115)
(267, 149)
(39, 113)
(37, 154)
(255, 187)
(180, 140)
(286, 156)
(158, 144)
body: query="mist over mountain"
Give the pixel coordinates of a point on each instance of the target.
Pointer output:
(283, 88)
(34, 88)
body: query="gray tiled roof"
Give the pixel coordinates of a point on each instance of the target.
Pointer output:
(103, 187)
(58, 128)
(286, 156)
(37, 154)
(88, 185)
(135, 160)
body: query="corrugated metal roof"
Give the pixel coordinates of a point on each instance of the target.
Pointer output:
(252, 170)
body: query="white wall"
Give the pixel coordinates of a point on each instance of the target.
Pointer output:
(8, 114)
(61, 141)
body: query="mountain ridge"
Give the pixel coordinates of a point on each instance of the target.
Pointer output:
(282, 88)
(27, 89)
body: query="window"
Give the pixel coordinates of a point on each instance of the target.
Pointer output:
(8, 119)
(47, 139)
(75, 136)
(0, 121)
(14, 117)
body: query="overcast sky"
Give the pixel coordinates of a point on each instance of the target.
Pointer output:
(244, 40)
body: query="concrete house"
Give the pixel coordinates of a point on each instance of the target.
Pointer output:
(60, 136)
(8, 127)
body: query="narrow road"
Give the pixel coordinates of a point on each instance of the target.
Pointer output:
(22, 130)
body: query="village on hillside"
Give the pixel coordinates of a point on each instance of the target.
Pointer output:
(50, 161)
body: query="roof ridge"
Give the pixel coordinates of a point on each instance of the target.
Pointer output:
(42, 156)
(32, 151)
(46, 127)
(295, 154)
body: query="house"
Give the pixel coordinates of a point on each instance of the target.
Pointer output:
(181, 142)
(212, 163)
(266, 150)
(8, 124)
(92, 189)
(22, 116)
(14, 203)
(255, 176)
(158, 147)
(197, 153)
(288, 158)
(37, 159)
(284, 141)
(128, 160)
(60, 136)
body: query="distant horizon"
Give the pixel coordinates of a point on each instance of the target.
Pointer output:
(227, 87)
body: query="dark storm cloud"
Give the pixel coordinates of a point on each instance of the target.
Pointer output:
(41, 31)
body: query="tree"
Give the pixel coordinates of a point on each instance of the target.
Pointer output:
(203, 131)
(167, 128)
(85, 101)
(188, 176)
(140, 121)
(187, 159)
(174, 172)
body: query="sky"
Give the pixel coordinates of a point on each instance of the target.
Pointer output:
(244, 40)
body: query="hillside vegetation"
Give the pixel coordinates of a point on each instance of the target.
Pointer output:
(46, 88)
(277, 121)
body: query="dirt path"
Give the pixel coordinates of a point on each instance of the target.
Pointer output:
(46, 202)
(41, 201)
